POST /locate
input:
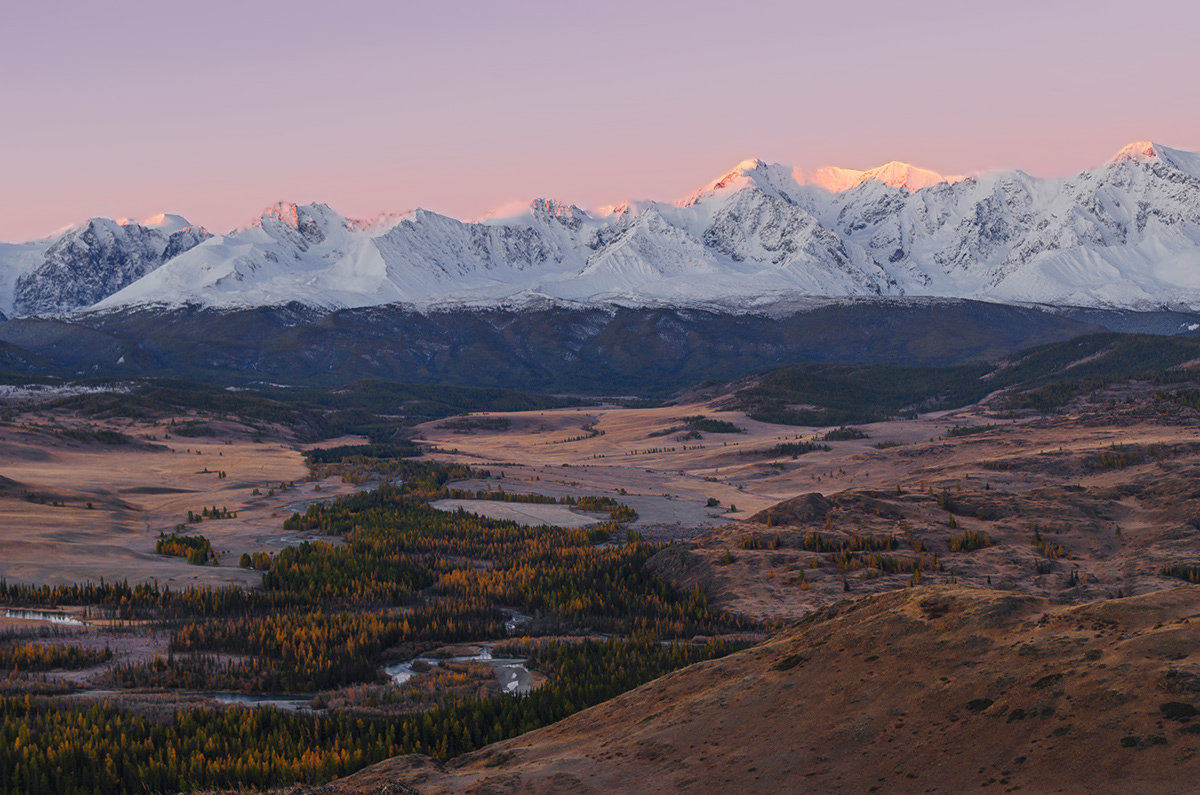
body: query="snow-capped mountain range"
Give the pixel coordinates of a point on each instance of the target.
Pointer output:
(1126, 234)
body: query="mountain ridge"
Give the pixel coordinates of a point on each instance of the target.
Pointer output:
(1123, 235)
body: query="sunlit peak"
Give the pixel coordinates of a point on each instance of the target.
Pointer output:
(1137, 151)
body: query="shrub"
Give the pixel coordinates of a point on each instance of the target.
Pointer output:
(845, 434)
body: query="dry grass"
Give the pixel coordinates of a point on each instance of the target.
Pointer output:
(923, 690)
(136, 492)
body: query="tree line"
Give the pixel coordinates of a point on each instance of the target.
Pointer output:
(82, 750)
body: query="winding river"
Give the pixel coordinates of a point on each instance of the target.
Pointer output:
(510, 672)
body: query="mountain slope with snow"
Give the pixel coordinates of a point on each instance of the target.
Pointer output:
(1126, 234)
(88, 263)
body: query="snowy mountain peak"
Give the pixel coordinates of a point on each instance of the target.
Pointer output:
(775, 179)
(539, 210)
(298, 215)
(167, 223)
(313, 222)
(835, 179)
(750, 164)
(1151, 153)
(905, 175)
(1137, 152)
(548, 210)
(783, 181)
(896, 174)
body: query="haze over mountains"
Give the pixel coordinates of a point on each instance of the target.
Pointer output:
(1123, 235)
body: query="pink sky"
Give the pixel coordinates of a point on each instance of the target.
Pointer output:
(215, 110)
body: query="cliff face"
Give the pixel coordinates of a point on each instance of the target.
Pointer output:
(96, 260)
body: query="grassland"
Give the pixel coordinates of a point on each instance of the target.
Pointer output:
(1070, 486)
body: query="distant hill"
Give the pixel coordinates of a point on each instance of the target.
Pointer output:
(598, 350)
(1041, 377)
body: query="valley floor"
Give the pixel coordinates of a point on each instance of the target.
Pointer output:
(966, 600)
(76, 510)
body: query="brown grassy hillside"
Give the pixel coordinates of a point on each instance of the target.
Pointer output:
(934, 689)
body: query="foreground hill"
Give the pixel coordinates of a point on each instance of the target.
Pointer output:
(1018, 621)
(942, 689)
